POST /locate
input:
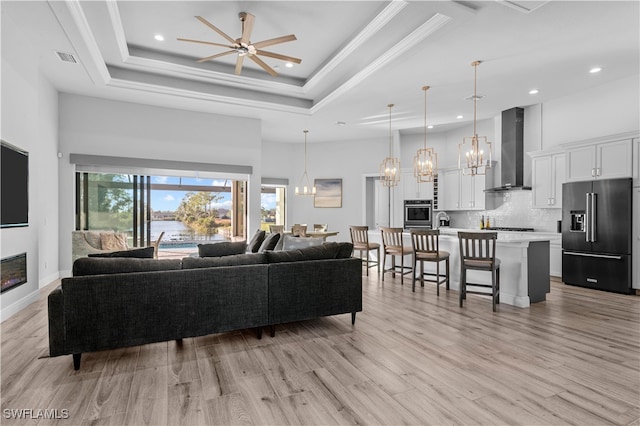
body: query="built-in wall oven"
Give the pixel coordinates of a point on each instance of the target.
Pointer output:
(418, 213)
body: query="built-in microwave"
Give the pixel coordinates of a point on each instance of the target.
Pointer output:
(418, 213)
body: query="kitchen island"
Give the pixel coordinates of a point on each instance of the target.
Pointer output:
(524, 267)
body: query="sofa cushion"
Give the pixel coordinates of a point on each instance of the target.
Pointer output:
(113, 241)
(270, 242)
(256, 241)
(345, 250)
(293, 243)
(117, 265)
(324, 251)
(224, 248)
(234, 260)
(141, 253)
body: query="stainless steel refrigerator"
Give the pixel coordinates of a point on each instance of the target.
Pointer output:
(596, 234)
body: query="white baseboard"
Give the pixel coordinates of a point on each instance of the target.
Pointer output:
(19, 305)
(48, 280)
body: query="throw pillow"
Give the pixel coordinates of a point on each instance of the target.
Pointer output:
(224, 248)
(345, 250)
(269, 243)
(292, 243)
(141, 253)
(256, 241)
(113, 241)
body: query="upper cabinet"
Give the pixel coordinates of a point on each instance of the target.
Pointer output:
(412, 190)
(464, 192)
(547, 175)
(601, 160)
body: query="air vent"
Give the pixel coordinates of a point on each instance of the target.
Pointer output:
(66, 57)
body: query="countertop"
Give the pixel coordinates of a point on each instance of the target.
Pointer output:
(503, 236)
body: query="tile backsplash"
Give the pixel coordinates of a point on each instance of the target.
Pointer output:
(514, 209)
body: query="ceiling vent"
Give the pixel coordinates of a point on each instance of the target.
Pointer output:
(66, 57)
(526, 6)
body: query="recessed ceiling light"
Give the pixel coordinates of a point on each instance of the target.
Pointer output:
(595, 70)
(288, 65)
(340, 123)
(459, 117)
(159, 37)
(534, 91)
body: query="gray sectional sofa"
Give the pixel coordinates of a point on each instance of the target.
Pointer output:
(116, 302)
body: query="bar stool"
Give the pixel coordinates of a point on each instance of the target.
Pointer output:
(361, 244)
(478, 252)
(392, 246)
(426, 248)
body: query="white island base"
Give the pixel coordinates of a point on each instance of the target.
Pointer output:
(524, 267)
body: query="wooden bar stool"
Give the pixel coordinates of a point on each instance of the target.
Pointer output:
(392, 246)
(361, 244)
(426, 248)
(478, 252)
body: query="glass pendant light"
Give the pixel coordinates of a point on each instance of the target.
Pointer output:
(425, 162)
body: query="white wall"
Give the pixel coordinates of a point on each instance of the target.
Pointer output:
(348, 160)
(29, 121)
(103, 127)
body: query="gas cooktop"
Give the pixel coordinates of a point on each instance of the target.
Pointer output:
(508, 228)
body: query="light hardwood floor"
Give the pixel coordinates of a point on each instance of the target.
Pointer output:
(411, 358)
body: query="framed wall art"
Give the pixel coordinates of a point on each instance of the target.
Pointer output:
(328, 193)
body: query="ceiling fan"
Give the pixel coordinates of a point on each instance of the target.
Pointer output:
(243, 47)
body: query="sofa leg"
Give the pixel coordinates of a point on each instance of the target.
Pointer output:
(179, 342)
(259, 333)
(272, 330)
(76, 361)
(353, 318)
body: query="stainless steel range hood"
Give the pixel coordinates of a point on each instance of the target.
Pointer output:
(512, 151)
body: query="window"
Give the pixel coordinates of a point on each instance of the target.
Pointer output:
(272, 206)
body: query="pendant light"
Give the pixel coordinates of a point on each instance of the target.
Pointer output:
(390, 166)
(472, 158)
(307, 189)
(425, 162)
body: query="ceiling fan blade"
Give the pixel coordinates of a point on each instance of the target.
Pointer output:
(278, 56)
(239, 64)
(266, 67)
(216, 29)
(208, 58)
(273, 41)
(247, 27)
(206, 42)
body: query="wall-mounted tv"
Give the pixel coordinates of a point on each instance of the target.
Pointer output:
(14, 183)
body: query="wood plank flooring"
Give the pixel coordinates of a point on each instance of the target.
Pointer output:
(411, 358)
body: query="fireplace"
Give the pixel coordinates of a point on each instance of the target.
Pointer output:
(13, 272)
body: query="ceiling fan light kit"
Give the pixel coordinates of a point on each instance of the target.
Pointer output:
(243, 46)
(472, 159)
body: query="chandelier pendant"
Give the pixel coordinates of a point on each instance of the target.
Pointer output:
(307, 188)
(390, 166)
(425, 162)
(474, 153)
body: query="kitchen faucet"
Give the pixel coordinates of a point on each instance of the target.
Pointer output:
(437, 220)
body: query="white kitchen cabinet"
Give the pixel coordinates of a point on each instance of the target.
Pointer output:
(548, 175)
(604, 160)
(555, 256)
(449, 189)
(412, 190)
(635, 254)
(464, 192)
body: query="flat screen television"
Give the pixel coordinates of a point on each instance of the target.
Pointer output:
(14, 184)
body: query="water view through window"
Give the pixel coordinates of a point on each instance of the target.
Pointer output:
(188, 210)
